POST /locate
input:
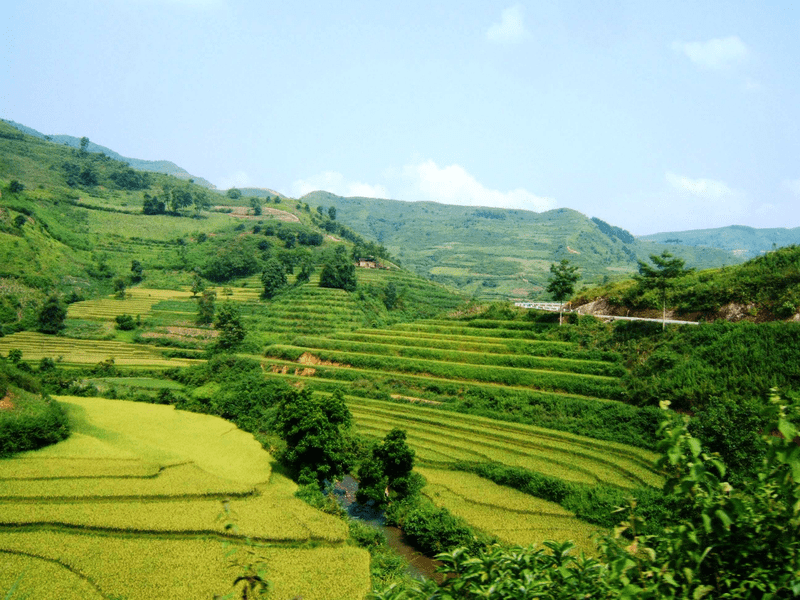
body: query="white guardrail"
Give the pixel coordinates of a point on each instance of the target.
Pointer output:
(553, 307)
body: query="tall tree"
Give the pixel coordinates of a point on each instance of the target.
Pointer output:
(273, 278)
(661, 275)
(52, 315)
(562, 283)
(206, 307)
(229, 324)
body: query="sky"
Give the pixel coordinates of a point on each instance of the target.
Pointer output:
(651, 116)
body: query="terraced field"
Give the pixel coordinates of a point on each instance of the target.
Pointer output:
(511, 368)
(67, 351)
(441, 438)
(515, 518)
(129, 504)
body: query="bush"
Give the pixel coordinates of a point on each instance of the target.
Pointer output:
(38, 423)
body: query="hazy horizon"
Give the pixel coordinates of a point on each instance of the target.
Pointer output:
(652, 118)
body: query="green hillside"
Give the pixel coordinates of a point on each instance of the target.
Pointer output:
(743, 241)
(497, 253)
(157, 166)
(76, 223)
(762, 289)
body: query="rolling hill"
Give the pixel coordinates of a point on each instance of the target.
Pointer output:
(498, 253)
(743, 241)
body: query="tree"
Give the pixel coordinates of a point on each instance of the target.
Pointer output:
(229, 324)
(387, 472)
(255, 204)
(660, 276)
(332, 213)
(273, 278)
(206, 307)
(198, 285)
(315, 436)
(234, 194)
(119, 288)
(137, 271)
(562, 283)
(152, 205)
(15, 187)
(339, 273)
(84, 144)
(52, 315)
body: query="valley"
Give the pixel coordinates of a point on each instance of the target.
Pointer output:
(185, 371)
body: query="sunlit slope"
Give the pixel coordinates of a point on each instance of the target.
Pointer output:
(500, 253)
(130, 503)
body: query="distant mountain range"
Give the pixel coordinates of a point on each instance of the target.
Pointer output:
(501, 253)
(743, 241)
(155, 166)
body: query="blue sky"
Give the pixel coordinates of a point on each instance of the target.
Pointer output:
(651, 116)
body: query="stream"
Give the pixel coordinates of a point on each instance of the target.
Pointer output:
(419, 565)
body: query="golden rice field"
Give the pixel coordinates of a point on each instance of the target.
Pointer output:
(35, 346)
(441, 437)
(129, 506)
(514, 517)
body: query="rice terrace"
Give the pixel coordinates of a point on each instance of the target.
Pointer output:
(187, 375)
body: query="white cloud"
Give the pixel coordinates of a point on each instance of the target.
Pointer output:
(334, 182)
(239, 179)
(716, 54)
(705, 189)
(793, 185)
(453, 185)
(425, 181)
(510, 29)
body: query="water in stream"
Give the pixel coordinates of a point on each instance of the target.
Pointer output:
(419, 565)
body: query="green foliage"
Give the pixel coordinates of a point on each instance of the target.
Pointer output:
(314, 432)
(726, 544)
(228, 322)
(430, 529)
(236, 258)
(206, 306)
(125, 322)
(273, 278)
(52, 315)
(339, 272)
(562, 280)
(137, 271)
(33, 421)
(386, 474)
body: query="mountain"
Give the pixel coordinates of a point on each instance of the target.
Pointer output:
(155, 166)
(743, 241)
(502, 253)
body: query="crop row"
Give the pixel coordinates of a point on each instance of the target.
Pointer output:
(566, 457)
(455, 328)
(35, 346)
(150, 568)
(265, 515)
(550, 462)
(519, 433)
(507, 359)
(585, 385)
(32, 468)
(536, 522)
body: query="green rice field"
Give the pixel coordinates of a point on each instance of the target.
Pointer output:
(515, 518)
(129, 506)
(441, 438)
